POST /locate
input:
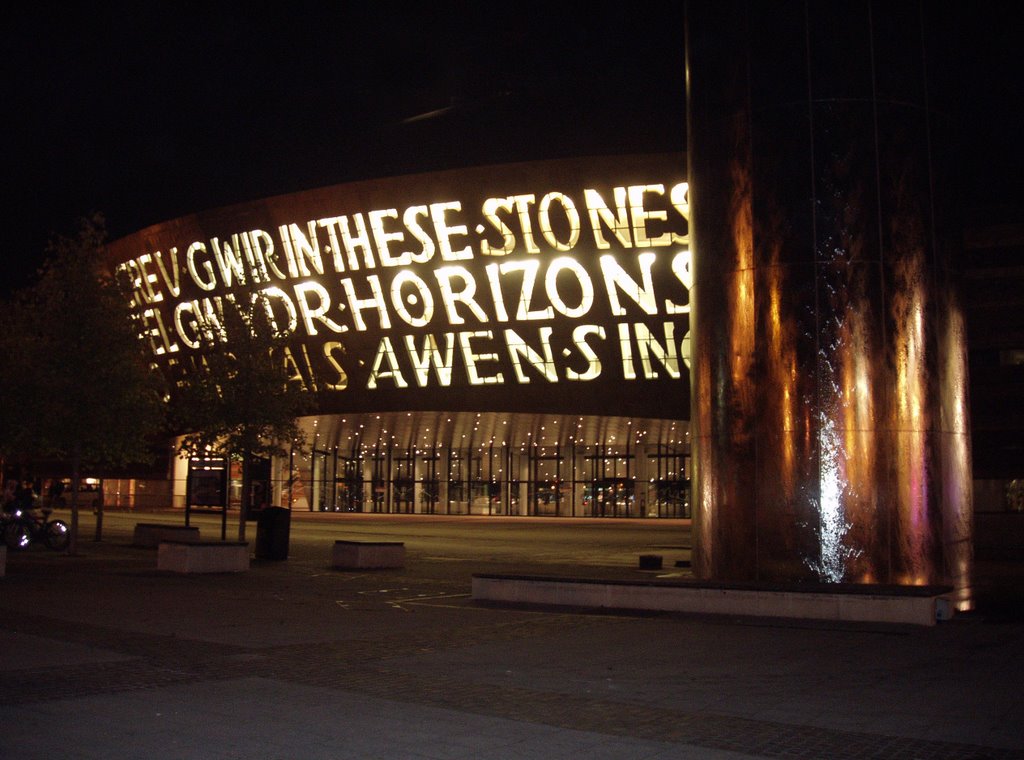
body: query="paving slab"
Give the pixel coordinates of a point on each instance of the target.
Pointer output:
(294, 659)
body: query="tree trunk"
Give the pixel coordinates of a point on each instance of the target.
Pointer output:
(98, 506)
(246, 494)
(75, 483)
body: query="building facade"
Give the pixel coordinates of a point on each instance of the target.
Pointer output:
(505, 340)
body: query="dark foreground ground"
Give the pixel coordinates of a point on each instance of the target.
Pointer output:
(101, 656)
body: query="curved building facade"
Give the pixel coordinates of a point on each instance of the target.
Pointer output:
(500, 340)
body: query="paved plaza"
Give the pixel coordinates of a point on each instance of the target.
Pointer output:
(102, 656)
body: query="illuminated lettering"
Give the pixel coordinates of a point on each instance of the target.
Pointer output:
(358, 306)
(681, 269)
(490, 210)
(353, 243)
(431, 356)
(529, 269)
(600, 215)
(572, 217)
(666, 354)
(127, 275)
(302, 293)
(679, 197)
(254, 255)
(295, 373)
(494, 281)
(426, 252)
(517, 348)
(450, 296)
(300, 248)
(186, 324)
(586, 286)
(157, 332)
(147, 279)
(264, 252)
(639, 214)
(268, 297)
(382, 238)
(472, 358)
(331, 348)
(210, 281)
(229, 261)
(386, 355)
(616, 278)
(421, 295)
(173, 283)
(626, 352)
(445, 232)
(427, 249)
(579, 339)
(523, 203)
(334, 246)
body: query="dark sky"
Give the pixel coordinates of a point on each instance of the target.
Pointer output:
(146, 111)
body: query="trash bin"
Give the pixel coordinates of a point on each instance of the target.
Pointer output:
(272, 527)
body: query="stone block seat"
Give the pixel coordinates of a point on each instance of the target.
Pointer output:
(203, 556)
(365, 555)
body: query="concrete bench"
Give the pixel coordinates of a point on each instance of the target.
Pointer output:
(908, 605)
(364, 555)
(203, 557)
(150, 535)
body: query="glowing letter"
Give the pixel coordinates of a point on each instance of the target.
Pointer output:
(679, 197)
(386, 352)
(303, 248)
(640, 216)
(399, 302)
(615, 278)
(361, 240)
(173, 283)
(529, 269)
(626, 350)
(229, 261)
(426, 253)
(571, 215)
(210, 281)
(381, 237)
(357, 305)
(681, 269)
(523, 203)
(471, 358)
(341, 381)
(302, 290)
(579, 337)
(431, 355)
(666, 354)
(598, 211)
(450, 296)
(490, 209)
(517, 347)
(444, 232)
(582, 278)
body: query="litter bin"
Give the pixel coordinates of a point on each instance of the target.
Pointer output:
(272, 527)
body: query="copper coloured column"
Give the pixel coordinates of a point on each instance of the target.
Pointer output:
(830, 428)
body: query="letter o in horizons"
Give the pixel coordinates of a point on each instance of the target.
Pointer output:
(400, 297)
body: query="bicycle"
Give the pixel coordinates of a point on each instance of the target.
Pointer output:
(21, 529)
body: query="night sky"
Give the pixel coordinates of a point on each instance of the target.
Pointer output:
(145, 112)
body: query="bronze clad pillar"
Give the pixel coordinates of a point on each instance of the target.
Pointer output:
(829, 425)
